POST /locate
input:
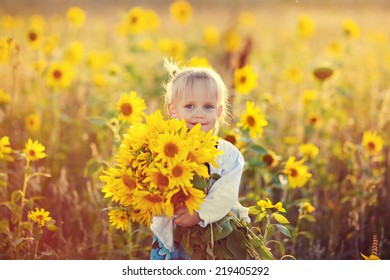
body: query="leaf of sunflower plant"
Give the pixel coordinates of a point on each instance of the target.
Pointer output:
(200, 183)
(283, 230)
(280, 218)
(262, 250)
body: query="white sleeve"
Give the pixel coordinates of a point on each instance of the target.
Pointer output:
(223, 194)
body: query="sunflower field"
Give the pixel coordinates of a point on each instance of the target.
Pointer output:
(309, 94)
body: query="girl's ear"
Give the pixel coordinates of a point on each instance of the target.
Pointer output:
(219, 111)
(171, 110)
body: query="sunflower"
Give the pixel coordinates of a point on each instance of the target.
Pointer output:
(135, 20)
(59, 75)
(252, 120)
(119, 218)
(306, 207)
(152, 201)
(41, 217)
(305, 26)
(152, 20)
(181, 171)
(4, 97)
(34, 38)
(76, 16)
(111, 178)
(297, 172)
(175, 48)
(136, 137)
(181, 11)
(34, 150)
(350, 28)
(203, 150)
(75, 52)
(211, 35)
(191, 197)
(309, 150)
(141, 217)
(5, 149)
(155, 124)
(372, 142)
(32, 122)
(169, 145)
(7, 46)
(245, 79)
(232, 41)
(130, 107)
(158, 178)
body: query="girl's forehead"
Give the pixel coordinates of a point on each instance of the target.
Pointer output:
(198, 90)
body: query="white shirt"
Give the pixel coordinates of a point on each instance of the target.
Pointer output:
(221, 198)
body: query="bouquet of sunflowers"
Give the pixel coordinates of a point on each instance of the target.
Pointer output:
(160, 165)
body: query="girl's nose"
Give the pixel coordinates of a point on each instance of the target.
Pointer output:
(199, 113)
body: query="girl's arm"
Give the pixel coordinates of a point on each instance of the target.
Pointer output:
(223, 194)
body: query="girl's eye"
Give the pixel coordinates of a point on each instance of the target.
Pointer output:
(209, 107)
(189, 106)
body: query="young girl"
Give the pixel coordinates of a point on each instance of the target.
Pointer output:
(198, 95)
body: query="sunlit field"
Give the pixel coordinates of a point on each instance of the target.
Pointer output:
(310, 111)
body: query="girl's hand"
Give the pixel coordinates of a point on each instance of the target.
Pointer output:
(184, 218)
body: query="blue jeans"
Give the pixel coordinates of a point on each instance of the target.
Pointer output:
(159, 252)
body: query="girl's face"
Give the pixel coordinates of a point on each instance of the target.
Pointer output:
(196, 107)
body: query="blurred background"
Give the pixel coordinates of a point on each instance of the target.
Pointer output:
(318, 73)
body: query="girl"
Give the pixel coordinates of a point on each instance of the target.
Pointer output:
(198, 95)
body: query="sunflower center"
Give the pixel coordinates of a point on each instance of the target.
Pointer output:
(171, 149)
(294, 172)
(154, 198)
(243, 80)
(177, 171)
(134, 20)
(179, 197)
(371, 145)
(191, 157)
(268, 159)
(231, 139)
(57, 74)
(31, 153)
(126, 109)
(40, 218)
(313, 120)
(129, 182)
(251, 121)
(162, 181)
(32, 36)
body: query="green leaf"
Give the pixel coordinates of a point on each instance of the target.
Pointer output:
(52, 228)
(279, 245)
(16, 196)
(20, 240)
(215, 176)
(262, 250)
(306, 234)
(209, 250)
(283, 230)
(200, 183)
(260, 217)
(259, 149)
(309, 218)
(99, 121)
(254, 162)
(280, 218)
(236, 245)
(4, 227)
(254, 210)
(222, 228)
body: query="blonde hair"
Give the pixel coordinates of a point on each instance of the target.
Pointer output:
(181, 82)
